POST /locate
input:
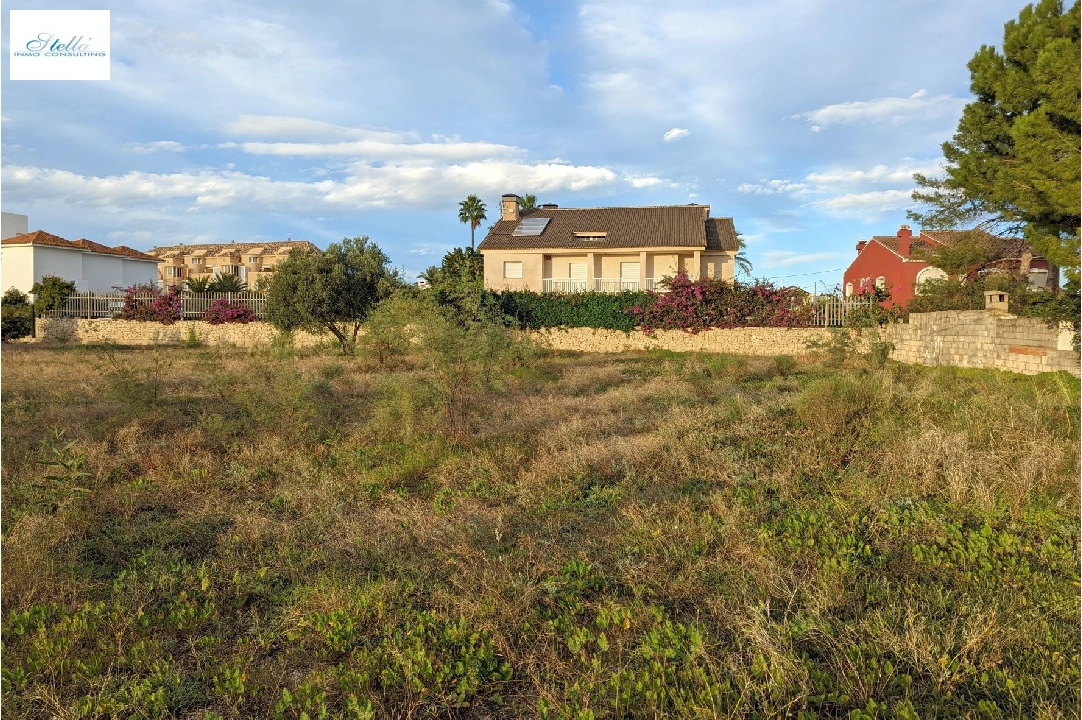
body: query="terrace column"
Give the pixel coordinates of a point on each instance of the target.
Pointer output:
(642, 270)
(698, 263)
(589, 271)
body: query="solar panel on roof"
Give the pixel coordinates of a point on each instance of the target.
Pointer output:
(531, 226)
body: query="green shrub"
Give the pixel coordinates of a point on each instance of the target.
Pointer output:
(17, 315)
(50, 293)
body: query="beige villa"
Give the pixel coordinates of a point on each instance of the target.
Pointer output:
(554, 249)
(248, 261)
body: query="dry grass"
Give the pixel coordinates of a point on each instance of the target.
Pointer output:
(206, 533)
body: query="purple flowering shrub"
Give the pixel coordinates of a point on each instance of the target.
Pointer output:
(697, 305)
(147, 303)
(222, 311)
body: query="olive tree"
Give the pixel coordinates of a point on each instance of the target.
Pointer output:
(334, 290)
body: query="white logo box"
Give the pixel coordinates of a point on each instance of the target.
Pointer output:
(59, 45)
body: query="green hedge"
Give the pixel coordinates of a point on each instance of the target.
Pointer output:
(530, 310)
(18, 315)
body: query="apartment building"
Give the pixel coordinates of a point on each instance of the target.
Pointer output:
(248, 261)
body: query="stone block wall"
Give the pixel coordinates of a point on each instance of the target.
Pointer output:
(739, 341)
(984, 339)
(969, 338)
(131, 332)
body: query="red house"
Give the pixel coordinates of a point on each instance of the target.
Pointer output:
(886, 261)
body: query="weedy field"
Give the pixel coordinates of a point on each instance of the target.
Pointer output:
(202, 533)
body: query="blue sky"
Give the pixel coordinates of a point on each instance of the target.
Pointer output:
(804, 121)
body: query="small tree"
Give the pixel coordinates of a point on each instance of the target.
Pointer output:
(527, 202)
(51, 293)
(18, 315)
(333, 291)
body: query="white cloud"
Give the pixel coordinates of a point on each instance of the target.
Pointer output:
(675, 134)
(861, 204)
(157, 146)
(368, 148)
(900, 173)
(788, 258)
(890, 109)
(773, 187)
(300, 127)
(363, 186)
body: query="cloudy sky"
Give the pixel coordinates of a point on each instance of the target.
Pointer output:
(804, 120)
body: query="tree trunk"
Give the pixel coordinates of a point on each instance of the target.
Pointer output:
(342, 342)
(1024, 263)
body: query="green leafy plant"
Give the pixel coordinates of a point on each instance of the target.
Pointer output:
(50, 293)
(17, 315)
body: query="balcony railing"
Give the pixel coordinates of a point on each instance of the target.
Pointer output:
(564, 285)
(604, 285)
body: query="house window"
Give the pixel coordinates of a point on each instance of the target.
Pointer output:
(576, 271)
(174, 272)
(512, 270)
(849, 289)
(197, 261)
(253, 259)
(881, 282)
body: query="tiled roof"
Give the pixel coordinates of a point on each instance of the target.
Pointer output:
(626, 227)
(40, 237)
(721, 235)
(916, 244)
(231, 248)
(947, 237)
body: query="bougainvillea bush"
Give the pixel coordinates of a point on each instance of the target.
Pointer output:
(222, 311)
(697, 305)
(147, 303)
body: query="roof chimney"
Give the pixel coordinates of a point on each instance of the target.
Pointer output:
(904, 233)
(861, 245)
(510, 208)
(550, 206)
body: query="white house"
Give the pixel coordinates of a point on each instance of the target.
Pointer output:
(27, 258)
(13, 224)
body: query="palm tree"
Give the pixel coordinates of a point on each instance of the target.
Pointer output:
(227, 283)
(527, 202)
(743, 265)
(472, 211)
(197, 284)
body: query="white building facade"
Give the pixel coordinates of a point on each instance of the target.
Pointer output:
(25, 259)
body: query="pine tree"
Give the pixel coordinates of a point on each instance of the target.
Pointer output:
(1013, 163)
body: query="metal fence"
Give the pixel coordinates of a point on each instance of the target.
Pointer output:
(193, 305)
(832, 310)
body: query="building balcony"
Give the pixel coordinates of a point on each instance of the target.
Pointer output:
(603, 285)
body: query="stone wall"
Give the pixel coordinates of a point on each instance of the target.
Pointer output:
(131, 332)
(739, 341)
(969, 338)
(984, 339)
